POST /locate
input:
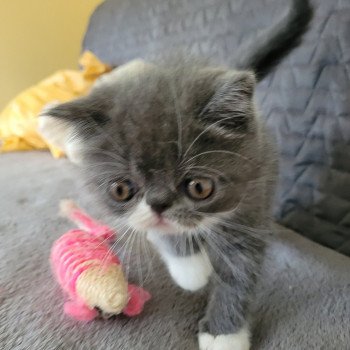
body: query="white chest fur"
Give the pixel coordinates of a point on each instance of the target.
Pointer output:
(190, 272)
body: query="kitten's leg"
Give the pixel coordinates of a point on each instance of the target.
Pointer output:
(189, 268)
(225, 325)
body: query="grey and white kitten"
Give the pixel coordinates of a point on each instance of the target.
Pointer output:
(178, 150)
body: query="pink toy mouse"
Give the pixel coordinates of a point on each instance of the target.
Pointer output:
(89, 273)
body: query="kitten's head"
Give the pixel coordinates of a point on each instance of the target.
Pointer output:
(169, 149)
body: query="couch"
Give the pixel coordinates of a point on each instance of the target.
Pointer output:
(303, 299)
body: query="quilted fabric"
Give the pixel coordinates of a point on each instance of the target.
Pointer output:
(306, 101)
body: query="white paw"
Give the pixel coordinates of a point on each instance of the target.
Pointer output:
(236, 341)
(189, 272)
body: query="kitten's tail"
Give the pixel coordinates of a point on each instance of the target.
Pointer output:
(263, 53)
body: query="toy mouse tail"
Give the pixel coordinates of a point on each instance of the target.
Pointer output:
(67, 206)
(137, 299)
(71, 211)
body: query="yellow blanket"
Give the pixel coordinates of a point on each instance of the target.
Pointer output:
(19, 120)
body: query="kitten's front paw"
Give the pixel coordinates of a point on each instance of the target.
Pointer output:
(236, 341)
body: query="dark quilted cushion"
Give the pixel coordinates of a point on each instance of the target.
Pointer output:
(306, 101)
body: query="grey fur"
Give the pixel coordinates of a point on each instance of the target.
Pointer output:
(178, 120)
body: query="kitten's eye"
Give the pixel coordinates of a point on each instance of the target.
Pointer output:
(199, 188)
(122, 190)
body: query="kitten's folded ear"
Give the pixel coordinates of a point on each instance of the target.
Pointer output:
(83, 110)
(68, 125)
(231, 107)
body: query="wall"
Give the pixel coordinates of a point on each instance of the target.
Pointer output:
(38, 37)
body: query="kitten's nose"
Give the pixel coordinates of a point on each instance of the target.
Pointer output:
(159, 199)
(159, 208)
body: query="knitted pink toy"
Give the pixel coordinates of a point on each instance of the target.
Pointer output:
(89, 273)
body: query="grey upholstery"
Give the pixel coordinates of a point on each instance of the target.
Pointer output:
(302, 303)
(306, 102)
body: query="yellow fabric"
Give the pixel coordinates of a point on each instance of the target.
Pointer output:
(19, 120)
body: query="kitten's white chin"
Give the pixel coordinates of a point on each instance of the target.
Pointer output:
(161, 228)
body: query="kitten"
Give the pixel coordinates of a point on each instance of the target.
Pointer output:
(177, 151)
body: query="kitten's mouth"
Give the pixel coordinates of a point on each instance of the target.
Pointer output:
(166, 225)
(144, 220)
(161, 221)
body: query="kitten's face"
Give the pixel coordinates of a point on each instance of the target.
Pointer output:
(168, 150)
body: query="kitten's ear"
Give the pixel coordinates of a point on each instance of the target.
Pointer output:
(82, 111)
(68, 125)
(231, 107)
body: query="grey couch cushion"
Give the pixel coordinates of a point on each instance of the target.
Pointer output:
(302, 303)
(305, 102)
